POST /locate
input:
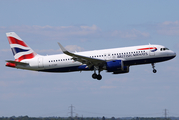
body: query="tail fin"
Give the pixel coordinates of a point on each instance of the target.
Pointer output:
(19, 48)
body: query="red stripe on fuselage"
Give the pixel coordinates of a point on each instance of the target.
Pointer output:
(13, 40)
(147, 48)
(28, 56)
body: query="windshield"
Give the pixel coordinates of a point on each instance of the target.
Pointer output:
(163, 49)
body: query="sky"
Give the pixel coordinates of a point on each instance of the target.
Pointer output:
(82, 26)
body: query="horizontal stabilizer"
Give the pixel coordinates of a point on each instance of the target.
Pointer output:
(16, 63)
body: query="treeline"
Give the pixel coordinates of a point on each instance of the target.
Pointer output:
(78, 118)
(153, 118)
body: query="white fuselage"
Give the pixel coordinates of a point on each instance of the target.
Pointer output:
(129, 55)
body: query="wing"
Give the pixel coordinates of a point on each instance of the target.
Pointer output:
(83, 59)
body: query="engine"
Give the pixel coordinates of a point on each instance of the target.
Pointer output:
(117, 67)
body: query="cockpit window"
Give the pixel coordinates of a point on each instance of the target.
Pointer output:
(163, 49)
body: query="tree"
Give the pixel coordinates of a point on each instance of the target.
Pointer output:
(103, 118)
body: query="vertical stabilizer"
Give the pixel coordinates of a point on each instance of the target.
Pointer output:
(19, 48)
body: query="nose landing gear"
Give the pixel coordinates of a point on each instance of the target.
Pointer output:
(153, 66)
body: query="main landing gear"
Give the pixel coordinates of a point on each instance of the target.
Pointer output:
(96, 76)
(153, 66)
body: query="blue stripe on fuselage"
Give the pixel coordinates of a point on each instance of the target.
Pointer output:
(147, 61)
(126, 63)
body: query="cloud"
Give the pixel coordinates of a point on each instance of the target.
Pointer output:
(48, 51)
(5, 53)
(55, 32)
(168, 28)
(5, 50)
(76, 32)
(170, 23)
(130, 34)
(73, 48)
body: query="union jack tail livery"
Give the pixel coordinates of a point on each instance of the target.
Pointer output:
(19, 48)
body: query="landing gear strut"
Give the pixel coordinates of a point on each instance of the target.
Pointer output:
(153, 66)
(96, 76)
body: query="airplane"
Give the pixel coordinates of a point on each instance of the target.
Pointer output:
(116, 60)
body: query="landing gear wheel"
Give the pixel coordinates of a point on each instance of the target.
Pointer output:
(94, 76)
(153, 66)
(99, 77)
(154, 70)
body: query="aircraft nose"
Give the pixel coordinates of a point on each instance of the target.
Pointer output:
(173, 54)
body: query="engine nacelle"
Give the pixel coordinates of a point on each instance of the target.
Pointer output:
(117, 67)
(125, 70)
